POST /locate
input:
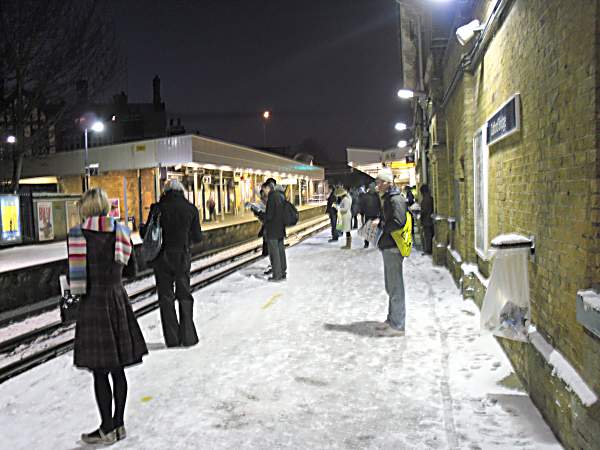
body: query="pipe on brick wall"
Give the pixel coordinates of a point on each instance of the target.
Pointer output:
(469, 62)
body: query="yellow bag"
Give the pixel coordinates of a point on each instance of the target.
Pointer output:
(403, 236)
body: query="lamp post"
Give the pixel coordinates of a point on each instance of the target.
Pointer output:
(266, 116)
(97, 127)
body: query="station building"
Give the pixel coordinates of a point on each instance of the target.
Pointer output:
(132, 174)
(371, 160)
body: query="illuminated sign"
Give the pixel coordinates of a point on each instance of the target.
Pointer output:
(10, 226)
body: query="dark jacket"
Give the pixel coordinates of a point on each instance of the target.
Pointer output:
(274, 225)
(394, 217)
(179, 221)
(355, 209)
(370, 205)
(426, 210)
(330, 201)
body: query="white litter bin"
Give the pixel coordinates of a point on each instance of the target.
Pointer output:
(506, 307)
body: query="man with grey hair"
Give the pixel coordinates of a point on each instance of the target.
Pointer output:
(393, 219)
(180, 225)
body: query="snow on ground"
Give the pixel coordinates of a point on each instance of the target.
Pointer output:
(31, 255)
(298, 365)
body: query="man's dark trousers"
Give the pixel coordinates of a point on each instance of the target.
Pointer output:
(333, 219)
(277, 257)
(172, 268)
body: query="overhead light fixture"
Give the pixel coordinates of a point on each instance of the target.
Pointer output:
(402, 144)
(11, 139)
(400, 126)
(406, 93)
(465, 33)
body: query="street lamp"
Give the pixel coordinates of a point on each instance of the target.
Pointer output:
(400, 126)
(11, 139)
(266, 116)
(97, 127)
(402, 144)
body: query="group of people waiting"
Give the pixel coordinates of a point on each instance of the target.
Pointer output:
(107, 335)
(384, 203)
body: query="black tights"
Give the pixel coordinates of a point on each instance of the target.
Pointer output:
(105, 395)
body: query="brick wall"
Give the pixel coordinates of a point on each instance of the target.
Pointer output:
(113, 183)
(543, 181)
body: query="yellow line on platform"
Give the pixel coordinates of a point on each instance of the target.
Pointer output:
(271, 301)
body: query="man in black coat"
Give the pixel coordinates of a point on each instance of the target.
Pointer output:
(180, 225)
(370, 206)
(331, 210)
(275, 230)
(426, 220)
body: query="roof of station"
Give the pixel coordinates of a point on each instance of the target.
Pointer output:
(186, 150)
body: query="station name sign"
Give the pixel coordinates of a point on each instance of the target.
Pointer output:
(505, 121)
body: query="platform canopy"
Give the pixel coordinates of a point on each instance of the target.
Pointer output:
(186, 150)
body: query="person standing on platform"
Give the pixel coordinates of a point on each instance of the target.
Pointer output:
(354, 195)
(211, 207)
(180, 225)
(345, 215)
(331, 210)
(275, 229)
(393, 219)
(107, 335)
(426, 220)
(370, 206)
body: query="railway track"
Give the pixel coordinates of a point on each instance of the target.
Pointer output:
(56, 338)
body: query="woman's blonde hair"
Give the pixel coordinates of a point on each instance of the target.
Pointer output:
(94, 203)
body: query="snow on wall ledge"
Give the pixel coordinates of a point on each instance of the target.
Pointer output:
(562, 369)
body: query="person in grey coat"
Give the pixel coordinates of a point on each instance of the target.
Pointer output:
(393, 219)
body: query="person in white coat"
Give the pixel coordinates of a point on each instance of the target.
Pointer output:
(345, 215)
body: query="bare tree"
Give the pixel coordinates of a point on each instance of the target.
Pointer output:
(46, 47)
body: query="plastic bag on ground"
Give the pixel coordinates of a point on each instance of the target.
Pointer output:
(506, 307)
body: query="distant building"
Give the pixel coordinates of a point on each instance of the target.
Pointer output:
(126, 122)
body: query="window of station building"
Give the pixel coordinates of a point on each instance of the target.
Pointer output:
(480, 190)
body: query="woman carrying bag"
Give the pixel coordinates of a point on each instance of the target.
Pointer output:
(344, 221)
(107, 335)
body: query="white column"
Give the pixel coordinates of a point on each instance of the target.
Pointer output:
(299, 191)
(222, 195)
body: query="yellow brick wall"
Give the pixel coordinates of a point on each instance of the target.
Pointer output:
(543, 181)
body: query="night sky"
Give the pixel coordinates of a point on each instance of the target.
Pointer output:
(327, 69)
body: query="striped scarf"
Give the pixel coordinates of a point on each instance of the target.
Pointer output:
(77, 248)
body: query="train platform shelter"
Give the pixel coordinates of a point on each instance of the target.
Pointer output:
(300, 364)
(213, 172)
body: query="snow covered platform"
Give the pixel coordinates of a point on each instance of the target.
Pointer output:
(299, 365)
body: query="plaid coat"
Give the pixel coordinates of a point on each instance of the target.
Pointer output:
(107, 335)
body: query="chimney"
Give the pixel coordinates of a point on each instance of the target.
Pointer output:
(82, 91)
(156, 100)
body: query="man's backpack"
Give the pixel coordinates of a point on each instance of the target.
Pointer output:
(403, 236)
(290, 214)
(153, 238)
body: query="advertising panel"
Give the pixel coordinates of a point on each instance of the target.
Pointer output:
(45, 221)
(10, 225)
(115, 208)
(72, 214)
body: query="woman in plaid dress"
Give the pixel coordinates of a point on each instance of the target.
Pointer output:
(107, 335)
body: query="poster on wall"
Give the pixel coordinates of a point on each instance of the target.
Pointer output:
(45, 221)
(115, 208)
(10, 225)
(72, 214)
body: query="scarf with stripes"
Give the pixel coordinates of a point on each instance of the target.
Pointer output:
(77, 248)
